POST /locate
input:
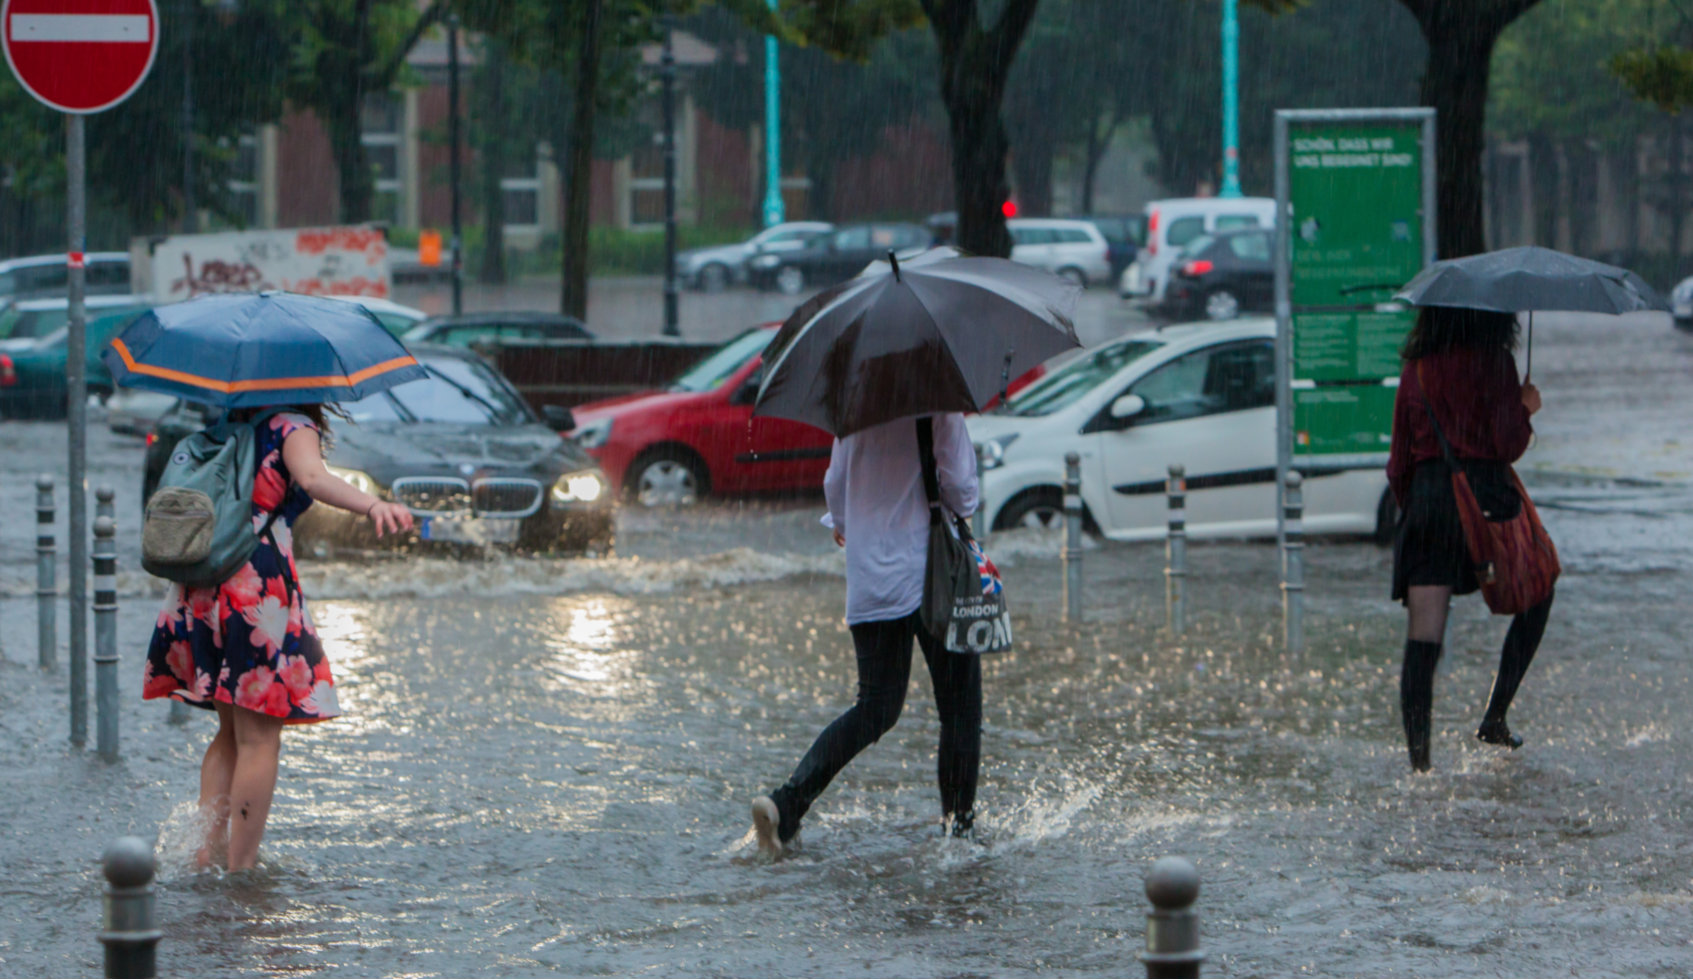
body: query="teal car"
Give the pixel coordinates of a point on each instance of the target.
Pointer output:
(35, 388)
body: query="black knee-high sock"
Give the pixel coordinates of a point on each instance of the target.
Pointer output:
(1416, 698)
(1521, 642)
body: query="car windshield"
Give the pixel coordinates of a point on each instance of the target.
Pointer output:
(456, 390)
(721, 364)
(1065, 386)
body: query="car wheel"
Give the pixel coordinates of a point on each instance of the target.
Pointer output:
(714, 278)
(1041, 509)
(790, 279)
(1074, 276)
(1387, 519)
(668, 478)
(1220, 304)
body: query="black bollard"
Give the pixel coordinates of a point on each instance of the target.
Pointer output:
(1175, 551)
(131, 935)
(1172, 928)
(106, 631)
(1293, 563)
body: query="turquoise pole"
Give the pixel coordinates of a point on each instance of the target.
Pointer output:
(1231, 99)
(773, 209)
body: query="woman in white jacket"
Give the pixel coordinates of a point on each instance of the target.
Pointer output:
(880, 514)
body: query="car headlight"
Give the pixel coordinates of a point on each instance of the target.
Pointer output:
(594, 434)
(766, 261)
(992, 452)
(578, 488)
(357, 479)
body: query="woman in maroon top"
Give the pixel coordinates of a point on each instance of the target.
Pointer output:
(1459, 366)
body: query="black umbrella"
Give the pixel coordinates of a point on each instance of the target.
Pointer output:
(942, 332)
(1529, 278)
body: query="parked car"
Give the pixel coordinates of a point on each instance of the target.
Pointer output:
(1173, 223)
(1681, 303)
(834, 257)
(25, 321)
(38, 386)
(1123, 233)
(713, 269)
(132, 411)
(1220, 276)
(465, 329)
(105, 274)
(1198, 395)
(699, 437)
(461, 449)
(1074, 250)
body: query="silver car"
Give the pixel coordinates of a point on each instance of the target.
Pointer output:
(712, 269)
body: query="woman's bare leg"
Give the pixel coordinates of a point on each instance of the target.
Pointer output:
(217, 771)
(258, 747)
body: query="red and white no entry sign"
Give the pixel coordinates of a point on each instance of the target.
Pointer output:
(80, 56)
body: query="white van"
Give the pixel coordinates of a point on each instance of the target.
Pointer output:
(1172, 223)
(1075, 250)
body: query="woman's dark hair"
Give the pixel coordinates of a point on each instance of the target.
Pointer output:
(1444, 328)
(320, 415)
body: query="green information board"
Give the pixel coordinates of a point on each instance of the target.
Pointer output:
(1357, 189)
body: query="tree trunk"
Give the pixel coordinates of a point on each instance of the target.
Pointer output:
(1098, 143)
(1461, 35)
(1033, 167)
(1677, 186)
(491, 124)
(1625, 163)
(573, 300)
(355, 183)
(1543, 179)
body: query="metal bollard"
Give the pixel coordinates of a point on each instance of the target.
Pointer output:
(131, 935)
(46, 589)
(1293, 563)
(1172, 928)
(978, 519)
(106, 634)
(1175, 552)
(1072, 538)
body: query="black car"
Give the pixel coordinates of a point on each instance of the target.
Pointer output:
(461, 449)
(464, 329)
(1221, 276)
(834, 256)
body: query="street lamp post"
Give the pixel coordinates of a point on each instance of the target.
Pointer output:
(773, 208)
(1231, 99)
(190, 212)
(453, 157)
(667, 75)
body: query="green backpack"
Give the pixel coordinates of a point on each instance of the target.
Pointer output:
(198, 528)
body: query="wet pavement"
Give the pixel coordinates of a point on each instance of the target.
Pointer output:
(544, 764)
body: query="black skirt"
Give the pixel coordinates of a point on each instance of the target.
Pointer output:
(1429, 547)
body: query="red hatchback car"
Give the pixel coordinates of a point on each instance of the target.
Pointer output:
(699, 436)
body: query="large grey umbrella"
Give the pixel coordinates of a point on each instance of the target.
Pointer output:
(941, 332)
(1529, 278)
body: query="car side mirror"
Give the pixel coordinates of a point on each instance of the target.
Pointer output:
(558, 418)
(1126, 408)
(747, 393)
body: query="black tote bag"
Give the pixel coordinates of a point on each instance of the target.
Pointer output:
(963, 596)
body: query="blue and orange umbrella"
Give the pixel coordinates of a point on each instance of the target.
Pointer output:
(243, 350)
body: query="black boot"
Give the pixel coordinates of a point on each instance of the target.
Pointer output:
(1521, 642)
(1416, 698)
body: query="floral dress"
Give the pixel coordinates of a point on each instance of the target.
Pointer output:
(249, 642)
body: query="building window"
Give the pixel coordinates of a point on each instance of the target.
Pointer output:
(520, 185)
(243, 184)
(381, 122)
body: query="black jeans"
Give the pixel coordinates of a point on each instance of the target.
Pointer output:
(884, 672)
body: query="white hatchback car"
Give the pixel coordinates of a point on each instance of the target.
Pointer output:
(1075, 250)
(1198, 395)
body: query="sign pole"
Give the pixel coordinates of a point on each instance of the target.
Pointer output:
(76, 384)
(454, 166)
(1282, 239)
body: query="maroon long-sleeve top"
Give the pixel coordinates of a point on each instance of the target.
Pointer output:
(1478, 399)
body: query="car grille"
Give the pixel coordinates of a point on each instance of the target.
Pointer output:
(499, 497)
(433, 495)
(506, 497)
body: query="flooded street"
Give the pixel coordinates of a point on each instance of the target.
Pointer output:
(544, 765)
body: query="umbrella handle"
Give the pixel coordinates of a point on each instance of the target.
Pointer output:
(1528, 368)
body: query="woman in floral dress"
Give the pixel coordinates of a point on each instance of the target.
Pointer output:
(247, 648)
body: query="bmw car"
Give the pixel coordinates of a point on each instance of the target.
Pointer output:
(462, 450)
